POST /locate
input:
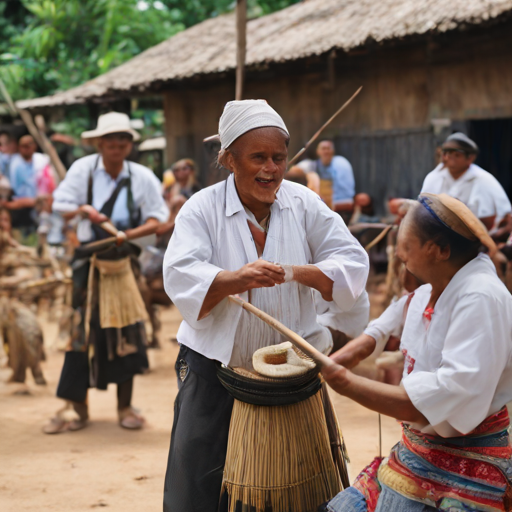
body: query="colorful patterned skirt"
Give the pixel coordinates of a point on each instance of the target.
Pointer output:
(467, 473)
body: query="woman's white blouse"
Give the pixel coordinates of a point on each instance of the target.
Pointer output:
(458, 367)
(212, 235)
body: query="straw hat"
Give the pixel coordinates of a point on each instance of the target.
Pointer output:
(455, 215)
(113, 122)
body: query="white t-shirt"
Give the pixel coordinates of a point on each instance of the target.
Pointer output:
(476, 188)
(458, 367)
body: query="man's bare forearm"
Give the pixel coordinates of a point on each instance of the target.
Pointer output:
(312, 276)
(222, 286)
(148, 228)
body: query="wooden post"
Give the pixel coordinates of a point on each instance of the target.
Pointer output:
(241, 44)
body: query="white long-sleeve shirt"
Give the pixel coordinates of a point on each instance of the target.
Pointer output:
(212, 235)
(478, 189)
(72, 192)
(458, 367)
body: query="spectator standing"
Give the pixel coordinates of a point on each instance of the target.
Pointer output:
(8, 148)
(31, 176)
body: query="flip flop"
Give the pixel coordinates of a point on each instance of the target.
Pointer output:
(130, 419)
(75, 425)
(56, 426)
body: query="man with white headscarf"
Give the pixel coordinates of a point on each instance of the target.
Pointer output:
(277, 245)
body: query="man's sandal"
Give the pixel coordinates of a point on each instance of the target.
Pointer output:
(56, 425)
(130, 418)
(59, 423)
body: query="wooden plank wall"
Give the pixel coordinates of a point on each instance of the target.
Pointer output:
(387, 132)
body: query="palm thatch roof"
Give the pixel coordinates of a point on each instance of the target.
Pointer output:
(309, 28)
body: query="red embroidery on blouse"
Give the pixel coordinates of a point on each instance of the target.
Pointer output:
(409, 361)
(428, 314)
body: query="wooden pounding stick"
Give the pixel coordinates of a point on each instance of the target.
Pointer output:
(103, 244)
(324, 126)
(321, 359)
(109, 228)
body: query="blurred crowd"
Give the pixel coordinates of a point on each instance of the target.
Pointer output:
(107, 191)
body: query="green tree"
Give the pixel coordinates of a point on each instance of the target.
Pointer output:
(52, 45)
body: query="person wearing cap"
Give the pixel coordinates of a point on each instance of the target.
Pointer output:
(98, 188)
(277, 245)
(458, 176)
(455, 452)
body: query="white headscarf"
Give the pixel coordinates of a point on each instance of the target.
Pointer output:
(239, 117)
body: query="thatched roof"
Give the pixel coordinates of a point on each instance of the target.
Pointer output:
(309, 28)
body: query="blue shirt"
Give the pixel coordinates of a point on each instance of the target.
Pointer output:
(23, 177)
(339, 171)
(5, 160)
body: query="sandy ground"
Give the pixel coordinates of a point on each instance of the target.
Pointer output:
(104, 466)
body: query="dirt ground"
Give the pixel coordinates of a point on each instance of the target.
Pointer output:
(104, 466)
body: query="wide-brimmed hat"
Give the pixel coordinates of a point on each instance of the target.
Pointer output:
(113, 122)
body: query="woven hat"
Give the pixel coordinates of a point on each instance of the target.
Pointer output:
(113, 122)
(455, 215)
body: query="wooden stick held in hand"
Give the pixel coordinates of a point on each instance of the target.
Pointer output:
(322, 360)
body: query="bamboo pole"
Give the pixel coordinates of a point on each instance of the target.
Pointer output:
(324, 126)
(41, 139)
(241, 46)
(321, 359)
(50, 149)
(44, 143)
(379, 237)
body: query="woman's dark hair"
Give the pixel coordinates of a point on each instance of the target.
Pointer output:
(429, 228)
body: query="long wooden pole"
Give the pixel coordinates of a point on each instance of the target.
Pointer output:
(241, 46)
(321, 359)
(41, 139)
(49, 148)
(324, 126)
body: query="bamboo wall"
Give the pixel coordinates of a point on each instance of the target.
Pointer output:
(387, 132)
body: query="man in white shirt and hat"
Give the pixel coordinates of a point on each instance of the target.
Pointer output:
(277, 245)
(459, 177)
(98, 188)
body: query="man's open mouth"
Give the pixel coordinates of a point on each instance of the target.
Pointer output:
(263, 180)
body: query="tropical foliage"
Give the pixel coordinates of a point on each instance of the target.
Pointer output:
(51, 45)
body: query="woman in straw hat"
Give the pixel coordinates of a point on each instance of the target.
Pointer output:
(277, 245)
(454, 454)
(99, 188)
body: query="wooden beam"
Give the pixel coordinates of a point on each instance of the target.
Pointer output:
(241, 45)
